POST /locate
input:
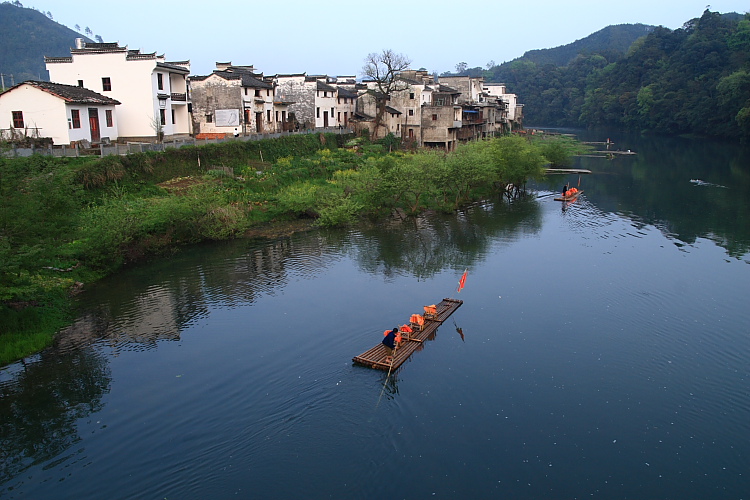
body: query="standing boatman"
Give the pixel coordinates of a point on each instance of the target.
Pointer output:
(389, 341)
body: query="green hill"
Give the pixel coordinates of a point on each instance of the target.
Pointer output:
(26, 36)
(612, 40)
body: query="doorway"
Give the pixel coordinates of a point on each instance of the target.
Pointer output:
(96, 134)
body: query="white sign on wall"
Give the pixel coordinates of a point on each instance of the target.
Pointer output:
(227, 117)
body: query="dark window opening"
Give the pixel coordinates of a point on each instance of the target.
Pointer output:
(106, 84)
(108, 117)
(75, 116)
(18, 119)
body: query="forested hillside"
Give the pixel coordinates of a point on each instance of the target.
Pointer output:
(612, 42)
(695, 79)
(26, 36)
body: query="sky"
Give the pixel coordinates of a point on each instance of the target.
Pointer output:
(334, 37)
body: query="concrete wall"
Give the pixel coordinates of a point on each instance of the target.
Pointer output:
(294, 88)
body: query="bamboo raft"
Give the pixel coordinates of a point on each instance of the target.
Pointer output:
(375, 357)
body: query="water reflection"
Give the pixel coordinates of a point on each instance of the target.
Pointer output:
(654, 187)
(40, 404)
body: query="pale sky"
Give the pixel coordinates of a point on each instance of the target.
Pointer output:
(334, 37)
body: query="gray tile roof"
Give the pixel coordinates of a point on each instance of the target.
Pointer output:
(70, 93)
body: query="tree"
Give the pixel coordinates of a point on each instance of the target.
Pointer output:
(383, 70)
(461, 67)
(49, 14)
(88, 31)
(77, 27)
(491, 64)
(99, 38)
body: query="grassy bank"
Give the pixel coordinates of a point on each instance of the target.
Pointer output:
(66, 222)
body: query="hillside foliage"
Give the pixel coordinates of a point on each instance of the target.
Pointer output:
(693, 80)
(26, 36)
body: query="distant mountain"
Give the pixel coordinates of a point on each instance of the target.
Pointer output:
(614, 40)
(26, 36)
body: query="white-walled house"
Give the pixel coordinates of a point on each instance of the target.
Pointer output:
(153, 92)
(235, 97)
(64, 113)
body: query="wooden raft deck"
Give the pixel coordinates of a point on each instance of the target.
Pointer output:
(375, 357)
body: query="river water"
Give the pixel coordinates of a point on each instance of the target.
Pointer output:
(605, 353)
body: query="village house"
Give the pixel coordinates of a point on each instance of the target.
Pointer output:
(64, 113)
(512, 113)
(442, 119)
(317, 101)
(152, 91)
(235, 98)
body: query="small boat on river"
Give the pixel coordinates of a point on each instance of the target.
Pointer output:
(570, 195)
(412, 337)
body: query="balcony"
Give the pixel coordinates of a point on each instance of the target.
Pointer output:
(179, 97)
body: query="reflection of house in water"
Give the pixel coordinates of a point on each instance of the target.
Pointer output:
(149, 317)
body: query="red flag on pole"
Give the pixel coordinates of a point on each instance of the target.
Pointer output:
(462, 281)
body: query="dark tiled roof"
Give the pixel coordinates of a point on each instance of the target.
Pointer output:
(409, 81)
(172, 67)
(447, 90)
(392, 111)
(70, 93)
(326, 87)
(343, 92)
(247, 79)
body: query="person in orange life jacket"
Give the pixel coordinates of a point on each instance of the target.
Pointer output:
(390, 344)
(565, 190)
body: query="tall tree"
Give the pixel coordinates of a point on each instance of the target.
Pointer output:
(383, 69)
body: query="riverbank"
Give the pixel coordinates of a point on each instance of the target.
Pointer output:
(69, 222)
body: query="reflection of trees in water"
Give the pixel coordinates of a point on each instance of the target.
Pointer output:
(654, 188)
(41, 403)
(425, 245)
(157, 301)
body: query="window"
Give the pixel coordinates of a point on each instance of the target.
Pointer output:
(108, 117)
(80, 83)
(268, 116)
(317, 112)
(106, 84)
(245, 90)
(17, 119)
(173, 120)
(332, 113)
(247, 116)
(209, 118)
(325, 94)
(257, 92)
(75, 116)
(268, 92)
(411, 95)
(434, 117)
(163, 116)
(338, 117)
(160, 81)
(411, 112)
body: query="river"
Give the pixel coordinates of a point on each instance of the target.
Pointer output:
(603, 352)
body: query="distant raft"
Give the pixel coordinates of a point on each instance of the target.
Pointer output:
(422, 327)
(570, 195)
